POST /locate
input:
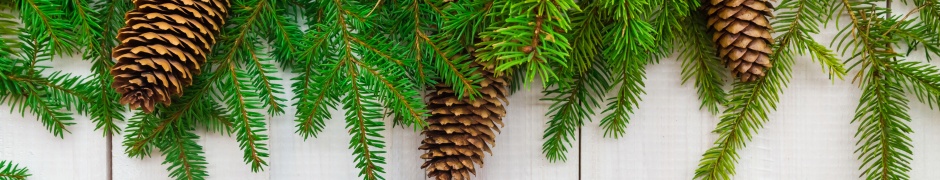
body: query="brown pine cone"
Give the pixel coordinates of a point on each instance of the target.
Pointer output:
(163, 45)
(460, 130)
(741, 30)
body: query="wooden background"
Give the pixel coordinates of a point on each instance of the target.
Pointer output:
(809, 137)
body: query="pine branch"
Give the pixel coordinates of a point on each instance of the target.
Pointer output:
(241, 42)
(572, 103)
(883, 143)
(750, 103)
(531, 35)
(12, 171)
(630, 77)
(314, 89)
(248, 125)
(105, 110)
(41, 16)
(748, 107)
(361, 110)
(630, 35)
(355, 62)
(699, 62)
(285, 35)
(184, 156)
(884, 146)
(587, 36)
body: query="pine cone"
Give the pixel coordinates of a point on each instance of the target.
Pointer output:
(163, 45)
(742, 32)
(460, 130)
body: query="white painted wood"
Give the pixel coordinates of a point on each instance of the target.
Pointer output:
(81, 154)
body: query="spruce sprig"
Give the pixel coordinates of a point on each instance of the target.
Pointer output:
(100, 22)
(530, 35)
(26, 85)
(358, 68)
(13, 171)
(750, 103)
(877, 38)
(697, 53)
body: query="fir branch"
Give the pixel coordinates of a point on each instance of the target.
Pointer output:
(184, 156)
(285, 35)
(314, 89)
(630, 77)
(630, 35)
(884, 146)
(921, 79)
(699, 62)
(248, 125)
(106, 109)
(530, 35)
(748, 107)
(396, 93)
(41, 16)
(586, 36)
(361, 110)
(360, 68)
(12, 171)
(883, 143)
(750, 103)
(87, 31)
(449, 49)
(141, 128)
(572, 103)
(250, 18)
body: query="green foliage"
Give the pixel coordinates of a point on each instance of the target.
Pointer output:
(699, 62)
(877, 38)
(368, 74)
(572, 103)
(612, 42)
(750, 103)
(12, 171)
(530, 35)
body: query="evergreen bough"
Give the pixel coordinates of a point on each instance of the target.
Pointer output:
(375, 58)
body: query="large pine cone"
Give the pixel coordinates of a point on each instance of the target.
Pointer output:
(163, 45)
(741, 30)
(460, 130)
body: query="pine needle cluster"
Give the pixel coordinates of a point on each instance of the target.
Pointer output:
(875, 43)
(12, 171)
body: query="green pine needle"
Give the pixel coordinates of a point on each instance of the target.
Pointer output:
(12, 171)
(572, 103)
(530, 36)
(699, 62)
